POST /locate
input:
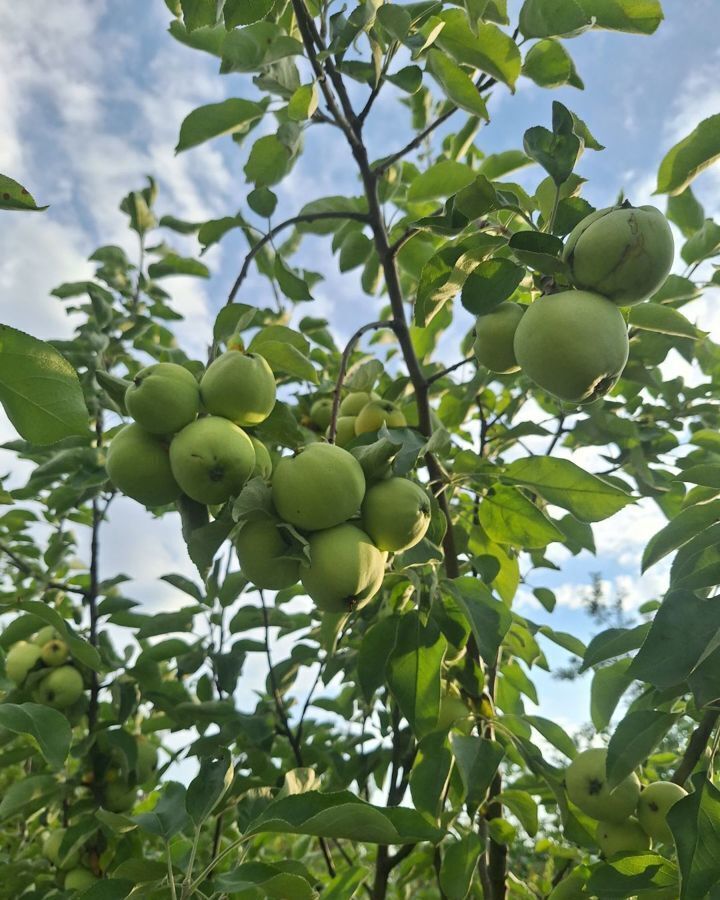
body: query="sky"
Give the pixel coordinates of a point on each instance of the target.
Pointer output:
(92, 94)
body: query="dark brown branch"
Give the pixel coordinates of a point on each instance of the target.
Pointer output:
(28, 570)
(438, 375)
(696, 746)
(559, 432)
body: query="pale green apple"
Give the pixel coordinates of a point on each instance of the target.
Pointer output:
(344, 432)
(322, 486)
(60, 688)
(354, 402)
(48, 633)
(261, 547)
(147, 760)
(345, 570)
(263, 463)
(55, 653)
(587, 787)
(21, 658)
(623, 252)
(321, 412)
(163, 398)
(396, 514)
(79, 879)
(211, 459)
(138, 464)
(118, 797)
(377, 413)
(621, 837)
(51, 850)
(573, 345)
(494, 335)
(239, 386)
(655, 802)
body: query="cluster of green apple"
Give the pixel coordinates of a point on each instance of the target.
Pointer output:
(361, 412)
(321, 499)
(630, 816)
(574, 344)
(44, 667)
(168, 450)
(76, 876)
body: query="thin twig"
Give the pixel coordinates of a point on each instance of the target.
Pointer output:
(438, 375)
(559, 431)
(696, 746)
(28, 570)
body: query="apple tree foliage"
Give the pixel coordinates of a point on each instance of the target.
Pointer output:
(405, 764)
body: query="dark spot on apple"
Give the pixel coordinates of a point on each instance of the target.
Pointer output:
(217, 473)
(654, 807)
(595, 786)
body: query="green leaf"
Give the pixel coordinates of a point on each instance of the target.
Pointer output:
(459, 863)
(217, 119)
(414, 669)
(634, 739)
(169, 816)
(209, 786)
(377, 643)
(172, 264)
(489, 49)
(523, 807)
(662, 319)
(268, 163)
(708, 475)
(608, 685)
(303, 103)
(478, 760)
(695, 825)
(556, 153)
(346, 884)
(553, 733)
(679, 530)
(489, 284)
(561, 482)
(703, 244)
(245, 12)
(457, 85)
(262, 201)
(355, 250)
(489, 619)
(249, 49)
(550, 65)
(631, 16)
(211, 231)
(430, 774)
(198, 13)
(540, 251)
(294, 287)
(443, 179)
(270, 880)
(15, 196)
(46, 725)
(283, 357)
(685, 211)
(209, 39)
(552, 18)
(629, 874)
(26, 796)
(613, 642)
(688, 158)
(80, 649)
(498, 164)
(509, 517)
(344, 816)
(39, 389)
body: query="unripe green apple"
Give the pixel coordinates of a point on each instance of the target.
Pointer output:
(163, 398)
(79, 880)
(621, 837)
(344, 432)
(20, 659)
(211, 459)
(396, 514)
(147, 760)
(354, 402)
(118, 797)
(138, 464)
(261, 547)
(377, 413)
(55, 653)
(572, 887)
(321, 412)
(263, 463)
(240, 387)
(655, 802)
(623, 252)
(345, 570)
(320, 487)
(494, 335)
(586, 784)
(454, 713)
(48, 633)
(573, 345)
(51, 850)
(60, 688)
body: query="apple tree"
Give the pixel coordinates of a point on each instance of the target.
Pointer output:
(361, 517)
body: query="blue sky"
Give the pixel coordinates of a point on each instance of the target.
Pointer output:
(92, 94)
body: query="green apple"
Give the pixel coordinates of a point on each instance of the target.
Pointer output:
(55, 653)
(377, 413)
(621, 837)
(322, 486)
(147, 760)
(653, 806)
(60, 688)
(494, 335)
(572, 887)
(586, 784)
(354, 402)
(344, 432)
(263, 463)
(163, 398)
(211, 459)
(396, 514)
(240, 387)
(454, 713)
(48, 633)
(261, 547)
(345, 570)
(321, 412)
(138, 464)
(118, 797)
(51, 850)
(20, 659)
(573, 345)
(79, 879)
(623, 252)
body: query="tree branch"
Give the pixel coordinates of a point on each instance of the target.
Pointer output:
(28, 570)
(438, 375)
(696, 747)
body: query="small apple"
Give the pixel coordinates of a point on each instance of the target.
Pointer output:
(20, 659)
(396, 514)
(118, 797)
(240, 387)
(138, 464)
(344, 432)
(320, 487)
(321, 412)
(623, 252)
(572, 887)
(345, 570)
(354, 402)
(573, 345)
(454, 713)
(60, 688)
(51, 850)
(163, 398)
(377, 413)
(621, 837)
(586, 784)
(55, 653)
(147, 760)
(79, 879)
(48, 633)
(211, 459)
(261, 547)
(655, 802)
(263, 463)
(494, 334)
